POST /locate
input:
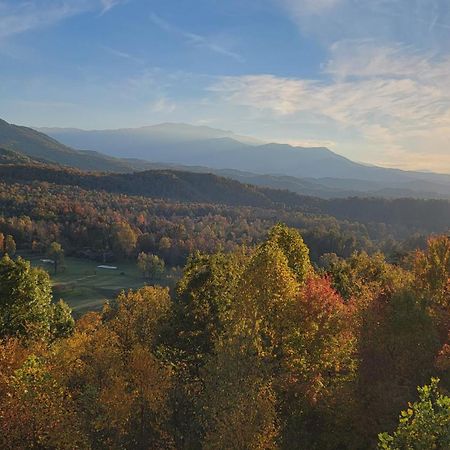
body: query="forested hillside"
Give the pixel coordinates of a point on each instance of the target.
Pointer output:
(406, 215)
(310, 337)
(255, 349)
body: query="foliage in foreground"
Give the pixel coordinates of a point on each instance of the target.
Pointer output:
(255, 350)
(425, 425)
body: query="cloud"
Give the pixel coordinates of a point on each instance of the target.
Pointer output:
(385, 77)
(424, 24)
(122, 54)
(306, 7)
(193, 39)
(109, 4)
(391, 99)
(20, 16)
(163, 106)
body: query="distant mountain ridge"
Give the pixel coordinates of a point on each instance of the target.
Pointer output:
(219, 149)
(188, 145)
(217, 154)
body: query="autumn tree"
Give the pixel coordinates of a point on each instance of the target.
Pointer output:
(2, 243)
(307, 335)
(139, 317)
(318, 368)
(443, 364)
(118, 378)
(293, 247)
(124, 239)
(432, 280)
(432, 269)
(38, 412)
(256, 335)
(238, 403)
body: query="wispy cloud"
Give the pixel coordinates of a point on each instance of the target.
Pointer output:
(194, 39)
(163, 105)
(109, 4)
(122, 54)
(20, 16)
(391, 98)
(302, 7)
(423, 23)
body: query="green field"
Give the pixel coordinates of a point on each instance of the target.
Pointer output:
(85, 287)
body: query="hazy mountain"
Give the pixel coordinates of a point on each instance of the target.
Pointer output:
(218, 149)
(39, 146)
(326, 188)
(265, 165)
(161, 142)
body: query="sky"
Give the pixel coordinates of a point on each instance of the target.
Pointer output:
(370, 79)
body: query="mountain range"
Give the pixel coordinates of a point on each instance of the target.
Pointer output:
(308, 171)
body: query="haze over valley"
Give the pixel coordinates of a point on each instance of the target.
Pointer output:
(315, 171)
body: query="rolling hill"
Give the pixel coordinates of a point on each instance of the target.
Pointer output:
(179, 186)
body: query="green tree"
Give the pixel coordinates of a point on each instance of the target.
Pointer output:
(62, 323)
(151, 266)
(425, 425)
(26, 307)
(56, 253)
(398, 345)
(202, 307)
(203, 302)
(364, 276)
(10, 245)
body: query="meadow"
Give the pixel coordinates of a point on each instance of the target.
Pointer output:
(86, 287)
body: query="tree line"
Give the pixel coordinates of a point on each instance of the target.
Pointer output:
(402, 214)
(107, 226)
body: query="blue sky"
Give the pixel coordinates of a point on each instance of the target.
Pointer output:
(368, 78)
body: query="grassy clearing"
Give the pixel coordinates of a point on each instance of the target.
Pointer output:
(85, 287)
